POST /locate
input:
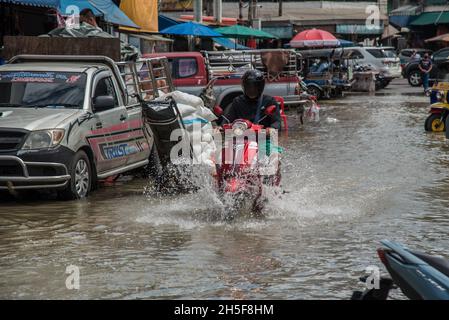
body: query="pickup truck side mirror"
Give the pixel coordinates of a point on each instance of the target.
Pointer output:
(102, 103)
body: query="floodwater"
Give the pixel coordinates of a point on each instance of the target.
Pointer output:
(366, 172)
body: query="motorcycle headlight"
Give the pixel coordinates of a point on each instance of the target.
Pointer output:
(43, 139)
(239, 128)
(440, 95)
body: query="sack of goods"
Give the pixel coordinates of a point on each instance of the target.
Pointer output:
(186, 114)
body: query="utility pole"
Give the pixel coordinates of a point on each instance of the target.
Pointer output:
(198, 10)
(240, 10)
(252, 11)
(209, 7)
(218, 11)
(280, 8)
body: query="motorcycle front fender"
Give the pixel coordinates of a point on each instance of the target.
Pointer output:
(439, 107)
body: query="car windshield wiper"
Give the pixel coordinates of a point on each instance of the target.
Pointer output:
(55, 105)
(11, 105)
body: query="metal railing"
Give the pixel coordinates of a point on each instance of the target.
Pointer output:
(236, 63)
(146, 79)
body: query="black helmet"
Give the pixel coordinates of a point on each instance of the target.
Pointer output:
(253, 83)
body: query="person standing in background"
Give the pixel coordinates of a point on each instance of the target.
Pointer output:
(425, 66)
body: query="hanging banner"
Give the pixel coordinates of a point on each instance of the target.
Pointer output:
(143, 13)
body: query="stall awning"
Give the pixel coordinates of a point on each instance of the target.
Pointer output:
(428, 18)
(400, 21)
(165, 22)
(389, 32)
(113, 14)
(227, 43)
(358, 29)
(442, 38)
(151, 37)
(34, 3)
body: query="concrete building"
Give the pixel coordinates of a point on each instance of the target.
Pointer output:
(346, 19)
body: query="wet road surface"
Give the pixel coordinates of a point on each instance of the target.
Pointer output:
(366, 172)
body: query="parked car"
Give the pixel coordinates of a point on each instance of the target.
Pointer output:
(406, 54)
(192, 71)
(439, 60)
(66, 121)
(383, 59)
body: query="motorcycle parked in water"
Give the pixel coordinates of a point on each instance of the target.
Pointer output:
(420, 276)
(239, 177)
(437, 121)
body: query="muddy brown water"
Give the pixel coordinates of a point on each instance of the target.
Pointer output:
(366, 172)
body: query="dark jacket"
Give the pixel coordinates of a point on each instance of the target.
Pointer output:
(244, 108)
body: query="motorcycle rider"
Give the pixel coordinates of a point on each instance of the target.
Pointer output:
(252, 103)
(251, 106)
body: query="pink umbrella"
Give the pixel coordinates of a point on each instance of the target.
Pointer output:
(314, 38)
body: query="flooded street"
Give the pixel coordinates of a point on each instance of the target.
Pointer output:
(367, 171)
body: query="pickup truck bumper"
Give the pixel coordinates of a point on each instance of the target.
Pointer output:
(16, 173)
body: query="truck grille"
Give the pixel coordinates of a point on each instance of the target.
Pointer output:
(10, 168)
(11, 140)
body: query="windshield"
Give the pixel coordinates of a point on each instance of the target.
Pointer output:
(382, 53)
(376, 53)
(42, 89)
(390, 53)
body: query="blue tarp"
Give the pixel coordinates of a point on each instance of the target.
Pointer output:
(113, 14)
(81, 4)
(35, 3)
(227, 43)
(345, 43)
(166, 22)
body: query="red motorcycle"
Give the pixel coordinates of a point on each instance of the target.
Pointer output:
(241, 172)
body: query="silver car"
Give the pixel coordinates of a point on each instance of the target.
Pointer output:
(383, 58)
(64, 123)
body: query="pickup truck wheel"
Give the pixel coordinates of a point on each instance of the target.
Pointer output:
(446, 131)
(80, 182)
(414, 78)
(314, 91)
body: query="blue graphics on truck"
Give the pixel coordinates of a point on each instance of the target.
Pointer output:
(120, 149)
(42, 77)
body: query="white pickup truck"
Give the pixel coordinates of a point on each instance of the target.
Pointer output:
(67, 121)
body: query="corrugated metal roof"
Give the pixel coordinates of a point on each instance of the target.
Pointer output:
(358, 29)
(407, 10)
